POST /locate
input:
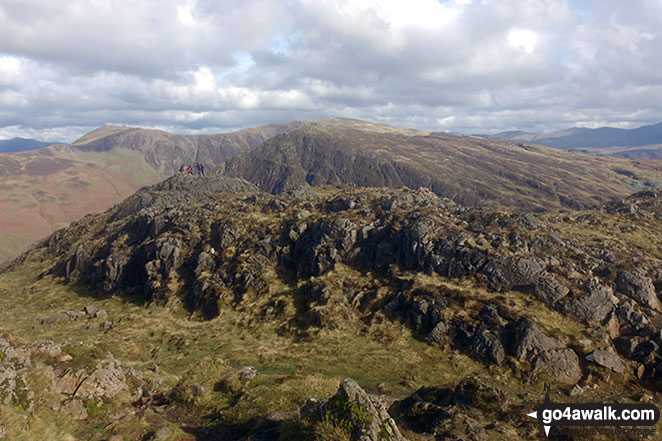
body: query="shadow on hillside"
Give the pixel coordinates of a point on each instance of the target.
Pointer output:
(84, 291)
(253, 430)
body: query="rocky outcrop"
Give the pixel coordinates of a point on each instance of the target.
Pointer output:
(595, 303)
(366, 418)
(14, 364)
(472, 406)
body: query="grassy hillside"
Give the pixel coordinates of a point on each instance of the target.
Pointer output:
(44, 190)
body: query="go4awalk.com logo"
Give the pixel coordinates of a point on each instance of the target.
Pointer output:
(597, 418)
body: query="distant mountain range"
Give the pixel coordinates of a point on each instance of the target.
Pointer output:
(642, 142)
(21, 144)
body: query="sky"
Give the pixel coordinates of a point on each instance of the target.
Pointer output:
(207, 66)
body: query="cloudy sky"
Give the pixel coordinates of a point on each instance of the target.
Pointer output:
(201, 66)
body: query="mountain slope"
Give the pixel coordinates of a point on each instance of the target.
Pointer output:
(45, 189)
(217, 310)
(470, 170)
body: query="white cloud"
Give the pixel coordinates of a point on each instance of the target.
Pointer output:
(196, 65)
(524, 39)
(10, 69)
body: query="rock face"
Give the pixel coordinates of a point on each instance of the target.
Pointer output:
(367, 418)
(639, 288)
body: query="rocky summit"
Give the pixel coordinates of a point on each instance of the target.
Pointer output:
(203, 308)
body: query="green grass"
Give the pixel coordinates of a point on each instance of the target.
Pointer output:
(291, 369)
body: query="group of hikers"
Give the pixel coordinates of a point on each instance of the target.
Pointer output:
(196, 169)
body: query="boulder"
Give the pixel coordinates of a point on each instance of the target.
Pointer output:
(562, 365)
(529, 340)
(247, 373)
(639, 288)
(607, 359)
(549, 290)
(75, 409)
(162, 434)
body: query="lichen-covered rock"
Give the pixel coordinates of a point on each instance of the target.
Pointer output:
(106, 380)
(366, 417)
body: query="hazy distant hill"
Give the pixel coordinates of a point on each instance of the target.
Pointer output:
(609, 140)
(21, 144)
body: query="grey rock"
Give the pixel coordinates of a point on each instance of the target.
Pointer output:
(169, 252)
(576, 391)
(515, 271)
(311, 409)
(487, 347)
(438, 334)
(549, 290)
(607, 359)
(247, 373)
(90, 309)
(76, 409)
(639, 288)
(628, 315)
(162, 434)
(197, 390)
(277, 417)
(562, 365)
(529, 340)
(595, 303)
